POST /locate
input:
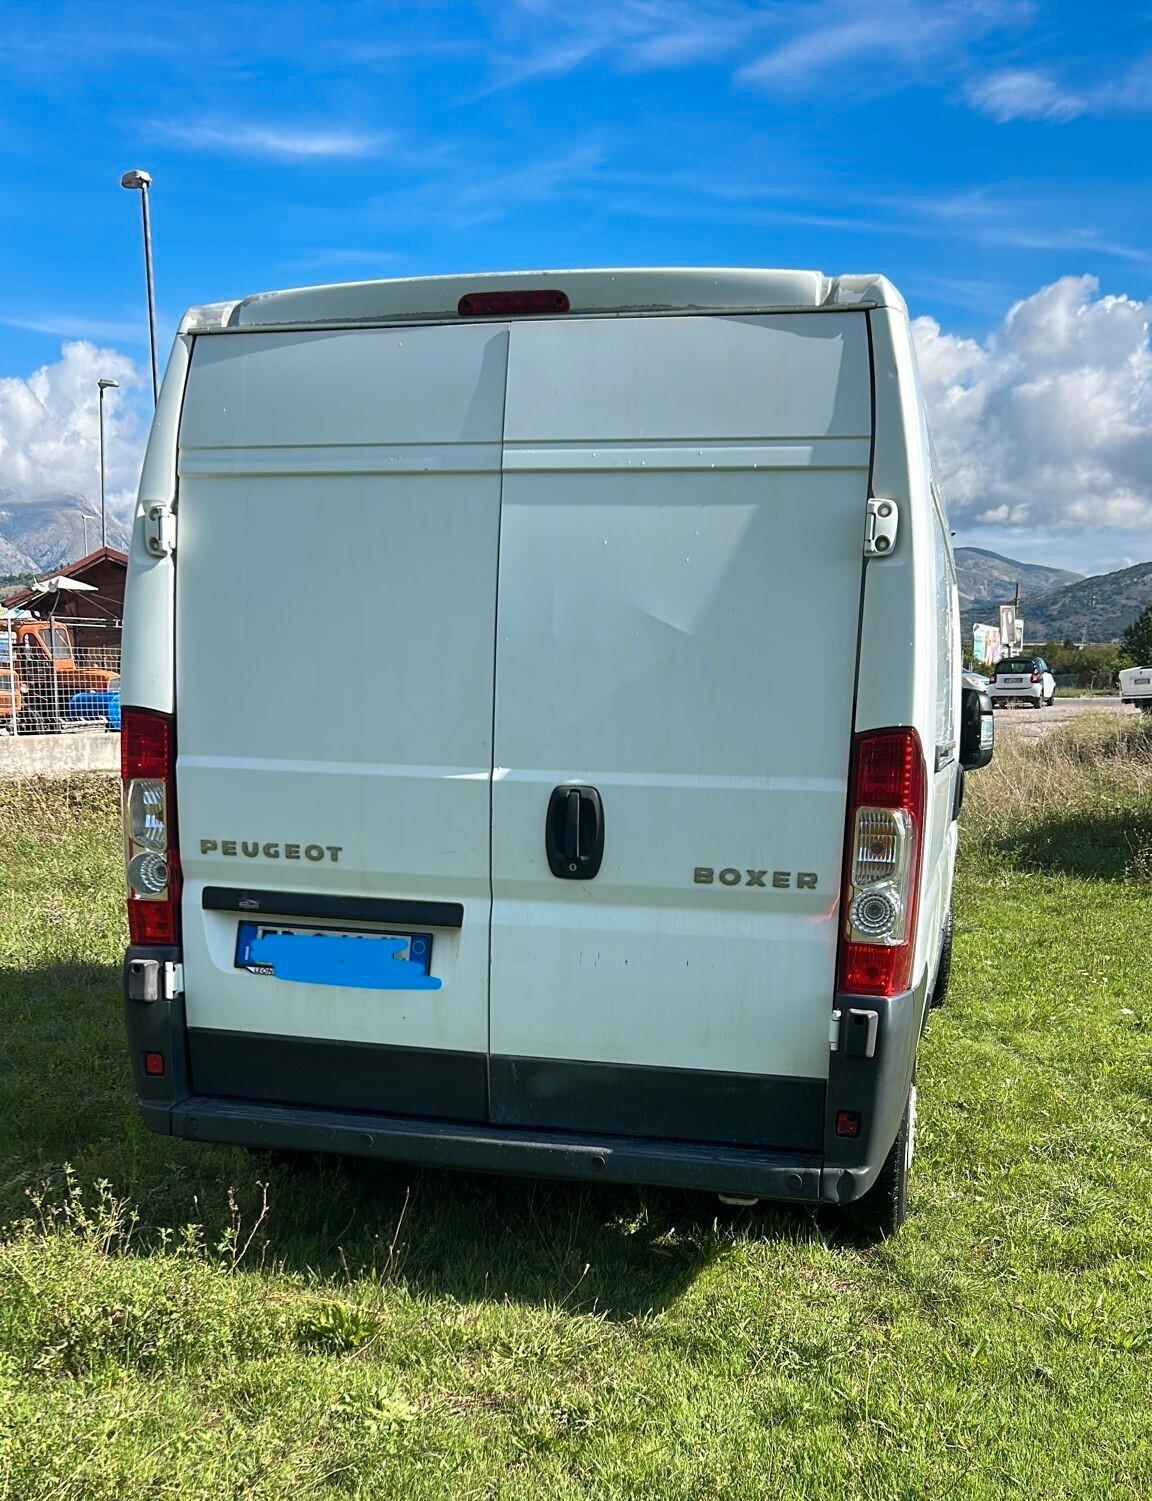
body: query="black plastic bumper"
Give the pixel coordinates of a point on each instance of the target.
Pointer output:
(836, 1170)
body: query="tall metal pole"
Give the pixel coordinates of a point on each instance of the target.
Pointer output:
(105, 385)
(142, 182)
(147, 216)
(103, 509)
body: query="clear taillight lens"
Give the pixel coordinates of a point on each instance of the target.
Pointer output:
(879, 845)
(146, 811)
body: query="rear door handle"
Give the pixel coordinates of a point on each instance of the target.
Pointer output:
(574, 833)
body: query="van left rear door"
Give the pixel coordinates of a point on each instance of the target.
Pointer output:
(339, 498)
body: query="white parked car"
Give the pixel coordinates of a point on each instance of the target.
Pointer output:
(1026, 681)
(537, 864)
(1136, 687)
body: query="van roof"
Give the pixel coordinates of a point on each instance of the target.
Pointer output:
(435, 298)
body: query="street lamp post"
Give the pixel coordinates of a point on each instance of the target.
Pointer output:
(105, 384)
(142, 181)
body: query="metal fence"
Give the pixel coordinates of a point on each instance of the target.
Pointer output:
(59, 675)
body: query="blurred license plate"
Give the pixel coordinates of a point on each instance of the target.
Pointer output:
(254, 952)
(1143, 682)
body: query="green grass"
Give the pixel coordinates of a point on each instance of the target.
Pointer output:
(171, 1328)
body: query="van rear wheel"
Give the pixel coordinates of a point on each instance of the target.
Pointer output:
(879, 1214)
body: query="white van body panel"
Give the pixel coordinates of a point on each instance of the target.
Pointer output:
(631, 290)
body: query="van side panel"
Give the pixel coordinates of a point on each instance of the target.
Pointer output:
(680, 573)
(148, 678)
(900, 661)
(339, 519)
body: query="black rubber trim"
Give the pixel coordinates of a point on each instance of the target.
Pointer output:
(382, 909)
(339, 1075)
(876, 1089)
(487, 1149)
(685, 1104)
(156, 1027)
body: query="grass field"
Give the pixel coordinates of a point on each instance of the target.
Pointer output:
(182, 1321)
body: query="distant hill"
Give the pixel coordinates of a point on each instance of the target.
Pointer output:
(1101, 607)
(983, 575)
(38, 535)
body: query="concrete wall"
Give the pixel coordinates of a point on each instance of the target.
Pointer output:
(58, 755)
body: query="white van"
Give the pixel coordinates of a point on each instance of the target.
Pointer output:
(542, 730)
(1136, 687)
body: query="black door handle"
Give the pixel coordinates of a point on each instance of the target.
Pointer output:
(574, 833)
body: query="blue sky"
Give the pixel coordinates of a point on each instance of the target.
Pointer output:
(975, 153)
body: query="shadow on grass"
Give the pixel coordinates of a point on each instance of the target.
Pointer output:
(66, 1096)
(1092, 847)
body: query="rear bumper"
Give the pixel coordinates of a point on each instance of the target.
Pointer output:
(1016, 695)
(828, 1169)
(442, 1144)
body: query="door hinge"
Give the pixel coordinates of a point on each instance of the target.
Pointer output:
(173, 981)
(880, 528)
(159, 529)
(834, 1032)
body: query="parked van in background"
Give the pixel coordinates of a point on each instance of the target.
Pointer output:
(1136, 687)
(611, 835)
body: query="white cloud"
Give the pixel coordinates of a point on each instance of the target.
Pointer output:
(1045, 427)
(288, 142)
(1024, 94)
(49, 428)
(901, 40)
(549, 38)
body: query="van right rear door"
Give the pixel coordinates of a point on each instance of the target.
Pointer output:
(681, 563)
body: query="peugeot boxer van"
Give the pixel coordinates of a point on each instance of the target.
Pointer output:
(543, 735)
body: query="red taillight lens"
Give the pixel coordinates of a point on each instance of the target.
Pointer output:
(889, 770)
(882, 863)
(511, 304)
(1035, 677)
(145, 743)
(151, 852)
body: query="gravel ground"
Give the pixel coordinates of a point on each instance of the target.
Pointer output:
(1036, 723)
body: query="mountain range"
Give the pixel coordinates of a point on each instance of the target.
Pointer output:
(1098, 608)
(989, 576)
(39, 535)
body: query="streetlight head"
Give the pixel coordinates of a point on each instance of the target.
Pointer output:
(136, 179)
(106, 385)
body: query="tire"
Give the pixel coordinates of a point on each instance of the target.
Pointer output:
(944, 968)
(879, 1214)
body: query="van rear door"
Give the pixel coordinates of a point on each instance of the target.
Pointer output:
(681, 561)
(339, 500)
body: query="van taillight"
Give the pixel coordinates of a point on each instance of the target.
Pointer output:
(151, 854)
(882, 863)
